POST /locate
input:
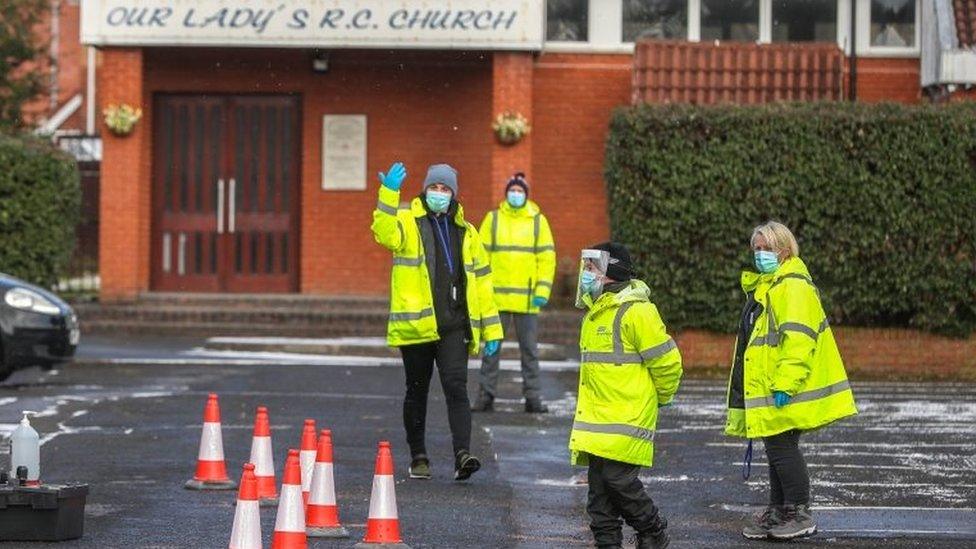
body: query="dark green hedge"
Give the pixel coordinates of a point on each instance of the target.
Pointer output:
(40, 196)
(881, 198)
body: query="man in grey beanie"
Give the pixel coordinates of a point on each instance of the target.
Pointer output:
(441, 304)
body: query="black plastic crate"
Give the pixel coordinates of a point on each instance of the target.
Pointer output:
(52, 512)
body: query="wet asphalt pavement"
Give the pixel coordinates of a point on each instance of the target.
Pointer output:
(126, 420)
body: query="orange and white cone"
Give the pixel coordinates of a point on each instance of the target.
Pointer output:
(211, 470)
(383, 525)
(322, 513)
(289, 532)
(307, 457)
(246, 533)
(263, 459)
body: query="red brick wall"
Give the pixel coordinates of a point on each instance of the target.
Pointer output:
(512, 91)
(124, 205)
(888, 79)
(573, 98)
(963, 94)
(873, 352)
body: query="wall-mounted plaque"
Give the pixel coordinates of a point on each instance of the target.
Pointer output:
(344, 152)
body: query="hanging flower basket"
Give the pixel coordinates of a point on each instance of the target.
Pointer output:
(510, 127)
(121, 119)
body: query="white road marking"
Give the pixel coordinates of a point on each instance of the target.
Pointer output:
(861, 466)
(805, 444)
(336, 341)
(202, 357)
(829, 484)
(895, 531)
(748, 508)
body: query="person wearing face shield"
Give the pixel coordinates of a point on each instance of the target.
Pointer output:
(523, 264)
(441, 304)
(630, 368)
(787, 377)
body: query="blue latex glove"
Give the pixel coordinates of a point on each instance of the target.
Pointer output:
(393, 178)
(539, 301)
(780, 398)
(491, 347)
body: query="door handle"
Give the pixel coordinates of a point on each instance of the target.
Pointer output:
(233, 206)
(220, 206)
(181, 255)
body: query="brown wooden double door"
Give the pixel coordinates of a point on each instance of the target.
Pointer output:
(225, 193)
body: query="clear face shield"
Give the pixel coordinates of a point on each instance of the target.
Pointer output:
(592, 274)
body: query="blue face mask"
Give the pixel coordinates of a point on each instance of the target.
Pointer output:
(438, 201)
(767, 262)
(516, 199)
(587, 281)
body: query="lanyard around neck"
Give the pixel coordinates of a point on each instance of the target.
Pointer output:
(445, 238)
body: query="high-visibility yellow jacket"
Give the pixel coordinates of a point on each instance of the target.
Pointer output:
(629, 367)
(412, 318)
(791, 349)
(523, 255)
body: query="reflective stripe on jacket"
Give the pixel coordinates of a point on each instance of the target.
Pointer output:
(412, 318)
(629, 366)
(523, 255)
(791, 349)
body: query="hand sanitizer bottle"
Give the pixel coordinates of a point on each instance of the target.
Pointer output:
(25, 450)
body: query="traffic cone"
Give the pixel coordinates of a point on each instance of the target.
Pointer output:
(263, 460)
(322, 513)
(307, 457)
(211, 469)
(289, 532)
(246, 533)
(383, 526)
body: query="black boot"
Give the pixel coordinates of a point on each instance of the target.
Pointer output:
(485, 403)
(657, 539)
(535, 406)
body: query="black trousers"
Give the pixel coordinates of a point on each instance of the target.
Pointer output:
(451, 356)
(789, 482)
(616, 492)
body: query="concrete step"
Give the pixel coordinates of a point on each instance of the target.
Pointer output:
(263, 300)
(209, 329)
(352, 346)
(256, 314)
(287, 316)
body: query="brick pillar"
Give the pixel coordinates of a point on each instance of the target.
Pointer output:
(124, 209)
(511, 91)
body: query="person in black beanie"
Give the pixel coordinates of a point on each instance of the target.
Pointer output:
(629, 368)
(523, 264)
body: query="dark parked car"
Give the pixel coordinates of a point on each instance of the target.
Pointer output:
(37, 328)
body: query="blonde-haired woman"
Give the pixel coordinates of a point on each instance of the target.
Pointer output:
(787, 377)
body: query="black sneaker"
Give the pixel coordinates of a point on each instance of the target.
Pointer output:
(485, 403)
(420, 467)
(535, 406)
(465, 465)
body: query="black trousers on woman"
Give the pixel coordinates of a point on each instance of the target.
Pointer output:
(789, 482)
(451, 356)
